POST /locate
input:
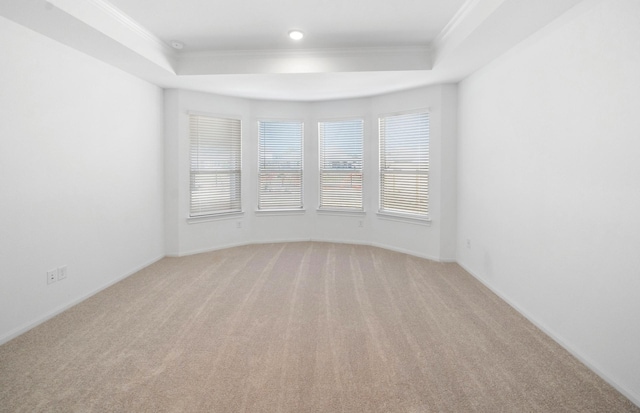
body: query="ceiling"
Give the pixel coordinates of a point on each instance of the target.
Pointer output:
(351, 48)
(255, 24)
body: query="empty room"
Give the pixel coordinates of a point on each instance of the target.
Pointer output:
(305, 206)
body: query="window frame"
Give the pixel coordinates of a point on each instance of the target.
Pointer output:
(407, 215)
(217, 214)
(281, 209)
(343, 210)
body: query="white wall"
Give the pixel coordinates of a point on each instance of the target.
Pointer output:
(549, 183)
(436, 241)
(547, 180)
(181, 237)
(412, 238)
(80, 176)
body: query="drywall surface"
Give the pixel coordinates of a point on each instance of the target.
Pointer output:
(187, 237)
(549, 183)
(423, 241)
(448, 158)
(81, 176)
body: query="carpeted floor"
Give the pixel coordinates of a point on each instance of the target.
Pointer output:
(298, 327)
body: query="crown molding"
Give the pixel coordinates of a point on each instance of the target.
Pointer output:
(104, 17)
(456, 20)
(124, 19)
(346, 51)
(305, 60)
(472, 15)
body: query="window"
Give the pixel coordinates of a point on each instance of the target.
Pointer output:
(341, 164)
(280, 165)
(404, 164)
(216, 163)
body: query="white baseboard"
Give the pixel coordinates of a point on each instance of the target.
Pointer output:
(23, 329)
(203, 250)
(236, 244)
(585, 360)
(404, 251)
(341, 241)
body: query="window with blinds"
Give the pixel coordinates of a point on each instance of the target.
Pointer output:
(280, 165)
(341, 150)
(216, 165)
(404, 164)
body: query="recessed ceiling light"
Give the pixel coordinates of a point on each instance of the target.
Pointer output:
(296, 34)
(176, 44)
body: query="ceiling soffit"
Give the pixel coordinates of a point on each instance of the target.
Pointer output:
(479, 32)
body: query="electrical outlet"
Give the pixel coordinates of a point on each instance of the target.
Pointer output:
(360, 224)
(52, 276)
(468, 243)
(239, 224)
(62, 272)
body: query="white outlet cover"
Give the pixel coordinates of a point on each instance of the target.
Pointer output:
(52, 276)
(62, 272)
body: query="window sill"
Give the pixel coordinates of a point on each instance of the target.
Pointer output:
(279, 212)
(404, 218)
(217, 217)
(341, 212)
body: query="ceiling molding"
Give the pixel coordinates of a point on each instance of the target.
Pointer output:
(489, 29)
(305, 60)
(471, 15)
(104, 17)
(307, 52)
(455, 21)
(124, 19)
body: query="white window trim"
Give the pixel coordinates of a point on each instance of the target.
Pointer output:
(223, 214)
(284, 211)
(398, 216)
(340, 211)
(217, 217)
(413, 219)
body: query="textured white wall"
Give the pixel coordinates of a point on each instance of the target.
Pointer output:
(80, 176)
(549, 183)
(184, 238)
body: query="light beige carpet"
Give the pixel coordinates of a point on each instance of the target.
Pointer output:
(298, 327)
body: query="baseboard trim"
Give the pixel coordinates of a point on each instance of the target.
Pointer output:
(342, 241)
(583, 359)
(23, 329)
(204, 250)
(233, 245)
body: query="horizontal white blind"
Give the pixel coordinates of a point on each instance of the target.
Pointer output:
(216, 164)
(280, 165)
(341, 149)
(404, 164)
